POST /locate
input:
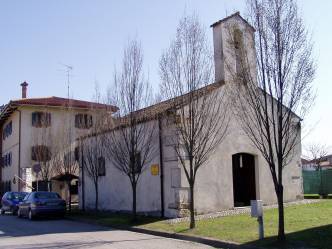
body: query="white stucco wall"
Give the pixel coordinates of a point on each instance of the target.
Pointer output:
(214, 182)
(31, 136)
(115, 191)
(10, 144)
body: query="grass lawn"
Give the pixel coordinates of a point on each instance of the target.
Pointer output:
(307, 226)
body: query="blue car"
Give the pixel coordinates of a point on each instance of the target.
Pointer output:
(41, 204)
(10, 201)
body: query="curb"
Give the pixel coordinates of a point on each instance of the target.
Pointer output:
(202, 240)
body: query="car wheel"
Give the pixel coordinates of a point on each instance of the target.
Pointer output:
(19, 215)
(14, 212)
(30, 215)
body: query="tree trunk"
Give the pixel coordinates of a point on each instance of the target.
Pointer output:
(134, 201)
(281, 226)
(69, 201)
(97, 197)
(191, 207)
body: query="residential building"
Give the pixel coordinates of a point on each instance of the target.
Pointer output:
(30, 130)
(324, 163)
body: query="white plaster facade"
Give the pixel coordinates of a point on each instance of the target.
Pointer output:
(24, 135)
(214, 182)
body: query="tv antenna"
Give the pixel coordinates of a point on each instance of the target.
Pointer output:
(68, 70)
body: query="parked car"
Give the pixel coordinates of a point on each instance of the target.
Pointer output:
(42, 204)
(10, 201)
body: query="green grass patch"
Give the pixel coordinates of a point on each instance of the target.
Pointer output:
(307, 226)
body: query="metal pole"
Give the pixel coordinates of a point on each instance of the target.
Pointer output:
(260, 227)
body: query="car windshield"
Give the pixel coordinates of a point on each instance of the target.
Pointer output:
(47, 195)
(17, 196)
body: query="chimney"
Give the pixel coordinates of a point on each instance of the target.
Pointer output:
(24, 86)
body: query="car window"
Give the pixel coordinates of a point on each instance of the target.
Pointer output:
(46, 195)
(18, 196)
(26, 197)
(8, 196)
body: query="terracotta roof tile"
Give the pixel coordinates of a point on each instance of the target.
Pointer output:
(57, 101)
(8, 109)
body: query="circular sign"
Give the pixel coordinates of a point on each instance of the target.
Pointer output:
(36, 168)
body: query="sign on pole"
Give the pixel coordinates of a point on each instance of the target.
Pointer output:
(36, 168)
(257, 212)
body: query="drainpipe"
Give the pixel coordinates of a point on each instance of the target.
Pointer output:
(19, 150)
(161, 162)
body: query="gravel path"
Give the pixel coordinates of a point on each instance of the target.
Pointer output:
(237, 211)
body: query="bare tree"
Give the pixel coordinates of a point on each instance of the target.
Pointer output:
(64, 161)
(41, 150)
(200, 110)
(93, 147)
(266, 100)
(129, 142)
(317, 153)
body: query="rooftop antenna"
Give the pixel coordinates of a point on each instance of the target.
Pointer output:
(68, 70)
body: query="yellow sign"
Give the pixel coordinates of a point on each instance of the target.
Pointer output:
(154, 169)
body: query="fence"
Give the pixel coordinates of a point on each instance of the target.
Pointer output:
(317, 182)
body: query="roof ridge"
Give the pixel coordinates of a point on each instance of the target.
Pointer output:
(237, 13)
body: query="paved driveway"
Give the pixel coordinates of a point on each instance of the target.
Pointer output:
(47, 234)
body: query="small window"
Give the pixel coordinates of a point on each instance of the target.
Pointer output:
(101, 166)
(9, 155)
(83, 121)
(137, 168)
(40, 153)
(7, 131)
(238, 38)
(41, 119)
(6, 160)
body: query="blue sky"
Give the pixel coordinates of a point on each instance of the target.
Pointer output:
(38, 36)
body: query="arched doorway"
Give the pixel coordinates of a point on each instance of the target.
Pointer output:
(244, 184)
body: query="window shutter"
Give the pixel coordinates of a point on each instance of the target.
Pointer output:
(33, 119)
(33, 153)
(90, 121)
(76, 152)
(76, 121)
(49, 120)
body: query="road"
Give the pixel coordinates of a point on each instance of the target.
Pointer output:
(18, 233)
